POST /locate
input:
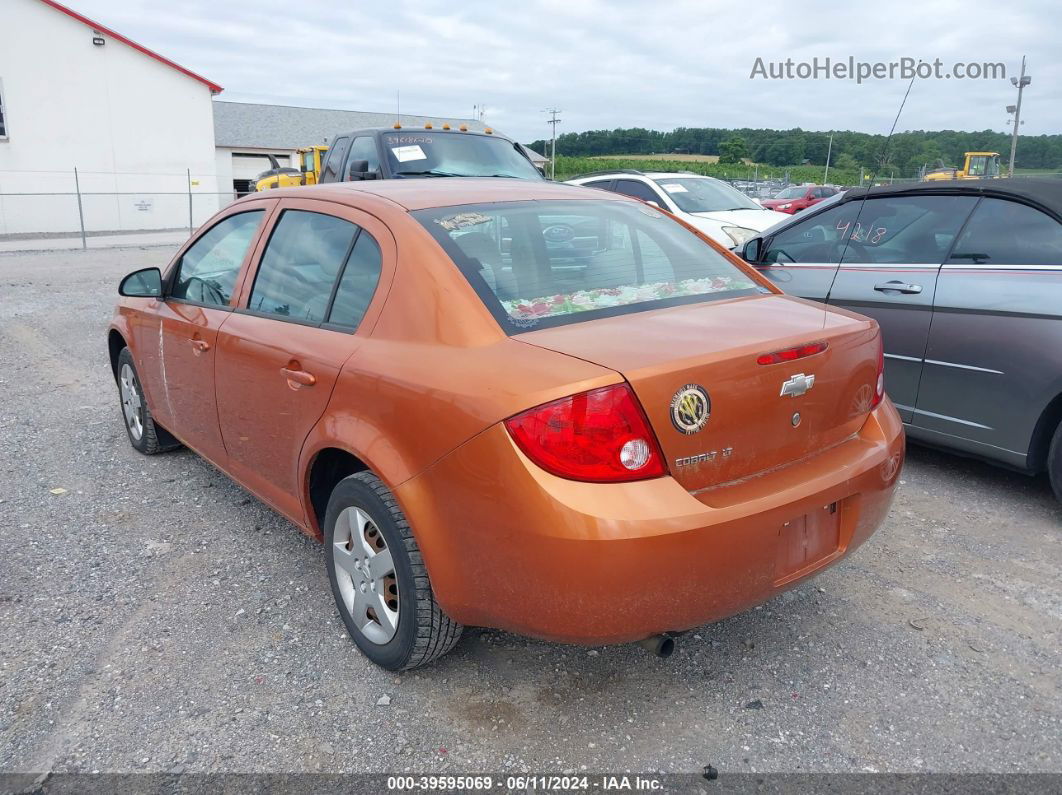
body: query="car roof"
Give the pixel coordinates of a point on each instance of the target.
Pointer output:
(1046, 192)
(424, 193)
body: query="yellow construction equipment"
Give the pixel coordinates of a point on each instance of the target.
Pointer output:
(308, 172)
(977, 165)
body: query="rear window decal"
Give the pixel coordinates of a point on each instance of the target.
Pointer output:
(461, 220)
(602, 298)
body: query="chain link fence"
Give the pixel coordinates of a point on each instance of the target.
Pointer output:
(86, 204)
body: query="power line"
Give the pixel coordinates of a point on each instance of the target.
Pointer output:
(553, 121)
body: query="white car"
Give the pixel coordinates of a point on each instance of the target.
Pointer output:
(714, 207)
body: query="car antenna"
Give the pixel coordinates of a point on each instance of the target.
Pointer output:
(863, 201)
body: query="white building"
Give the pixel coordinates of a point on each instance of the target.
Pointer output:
(136, 126)
(150, 147)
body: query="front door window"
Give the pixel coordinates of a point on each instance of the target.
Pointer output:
(207, 272)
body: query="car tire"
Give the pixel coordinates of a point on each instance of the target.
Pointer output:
(378, 578)
(144, 434)
(1054, 463)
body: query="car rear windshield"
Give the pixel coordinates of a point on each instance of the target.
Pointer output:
(541, 264)
(450, 154)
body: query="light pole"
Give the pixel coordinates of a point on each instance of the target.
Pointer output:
(1020, 83)
(829, 150)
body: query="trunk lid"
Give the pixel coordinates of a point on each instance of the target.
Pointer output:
(751, 427)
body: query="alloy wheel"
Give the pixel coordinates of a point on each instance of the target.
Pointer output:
(365, 574)
(132, 403)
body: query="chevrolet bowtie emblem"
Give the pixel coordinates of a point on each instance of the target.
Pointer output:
(797, 385)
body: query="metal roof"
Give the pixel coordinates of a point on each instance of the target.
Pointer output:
(245, 125)
(96, 26)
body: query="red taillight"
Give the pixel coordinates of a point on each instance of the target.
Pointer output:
(600, 436)
(792, 354)
(879, 383)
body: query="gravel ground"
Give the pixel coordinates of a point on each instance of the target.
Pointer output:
(156, 617)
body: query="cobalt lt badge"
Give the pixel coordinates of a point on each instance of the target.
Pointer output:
(690, 408)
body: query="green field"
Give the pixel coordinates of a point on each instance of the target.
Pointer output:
(568, 167)
(682, 158)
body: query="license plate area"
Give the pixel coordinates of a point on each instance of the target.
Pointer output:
(807, 542)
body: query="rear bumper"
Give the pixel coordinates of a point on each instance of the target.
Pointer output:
(510, 546)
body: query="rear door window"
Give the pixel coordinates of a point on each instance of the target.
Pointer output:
(208, 270)
(539, 264)
(357, 284)
(1008, 233)
(300, 266)
(639, 190)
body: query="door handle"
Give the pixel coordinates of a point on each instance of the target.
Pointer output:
(200, 346)
(300, 377)
(898, 287)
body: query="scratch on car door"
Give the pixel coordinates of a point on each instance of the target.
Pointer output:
(162, 371)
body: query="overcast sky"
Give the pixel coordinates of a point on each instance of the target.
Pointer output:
(609, 64)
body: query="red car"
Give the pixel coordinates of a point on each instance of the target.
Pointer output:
(793, 200)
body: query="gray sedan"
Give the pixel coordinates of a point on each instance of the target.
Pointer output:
(965, 279)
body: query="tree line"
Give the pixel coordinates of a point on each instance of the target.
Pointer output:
(908, 151)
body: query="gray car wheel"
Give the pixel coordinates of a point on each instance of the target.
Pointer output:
(144, 434)
(379, 579)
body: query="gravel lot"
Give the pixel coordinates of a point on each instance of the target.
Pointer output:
(156, 617)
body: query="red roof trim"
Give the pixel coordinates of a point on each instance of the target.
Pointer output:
(214, 87)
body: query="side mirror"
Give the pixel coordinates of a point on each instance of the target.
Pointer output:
(144, 283)
(359, 169)
(752, 249)
(654, 203)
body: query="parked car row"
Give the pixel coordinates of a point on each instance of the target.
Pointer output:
(495, 399)
(799, 197)
(711, 205)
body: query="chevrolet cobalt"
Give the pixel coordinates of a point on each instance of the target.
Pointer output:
(530, 406)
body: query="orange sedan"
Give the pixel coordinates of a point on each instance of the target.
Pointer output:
(535, 407)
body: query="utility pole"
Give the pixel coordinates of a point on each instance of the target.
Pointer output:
(829, 151)
(553, 146)
(1020, 83)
